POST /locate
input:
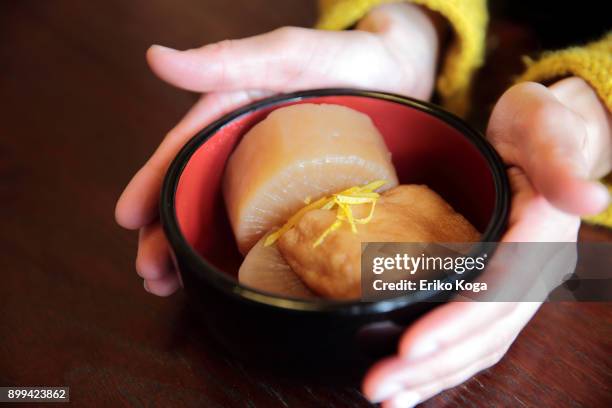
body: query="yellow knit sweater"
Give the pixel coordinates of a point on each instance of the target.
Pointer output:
(468, 18)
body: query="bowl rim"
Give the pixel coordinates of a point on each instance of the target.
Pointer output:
(184, 251)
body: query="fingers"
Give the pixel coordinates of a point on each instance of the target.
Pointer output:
(285, 59)
(429, 336)
(443, 327)
(138, 204)
(410, 398)
(162, 287)
(153, 262)
(403, 379)
(261, 62)
(532, 129)
(533, 218)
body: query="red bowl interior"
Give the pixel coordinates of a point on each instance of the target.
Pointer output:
(425, 150)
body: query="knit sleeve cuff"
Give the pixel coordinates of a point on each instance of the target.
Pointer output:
(593, 63)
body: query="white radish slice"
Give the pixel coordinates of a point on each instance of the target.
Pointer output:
(265, 269)
(297, 153)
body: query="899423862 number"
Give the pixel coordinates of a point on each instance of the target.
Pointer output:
(34, 394)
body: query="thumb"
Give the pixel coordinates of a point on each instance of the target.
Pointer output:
(225, 65)
(286, 59)
(273, 61)
(535, 131)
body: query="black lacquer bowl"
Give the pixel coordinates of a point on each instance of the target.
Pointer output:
(429, 146)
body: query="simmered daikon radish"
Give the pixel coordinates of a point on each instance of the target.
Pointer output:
(296, 155)
(265, 269)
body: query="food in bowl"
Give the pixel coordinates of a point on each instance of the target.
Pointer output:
(303, 190)
(407, 213)
(429, 146)
(297, 152)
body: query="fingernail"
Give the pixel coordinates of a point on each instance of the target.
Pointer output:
(146, 287)
(421, 350)
(386, 391)
(162, 48)
(406, 399)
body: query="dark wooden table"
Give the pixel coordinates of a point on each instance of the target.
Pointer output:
(80, 112)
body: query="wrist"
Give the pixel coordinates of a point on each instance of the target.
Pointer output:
(412, 34)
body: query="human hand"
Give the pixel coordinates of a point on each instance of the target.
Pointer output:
(557, 139)
(561, 138)
(393, 49)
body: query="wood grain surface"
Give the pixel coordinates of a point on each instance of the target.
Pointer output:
(79, 113)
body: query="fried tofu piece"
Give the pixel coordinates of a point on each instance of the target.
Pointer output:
(407, 213)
